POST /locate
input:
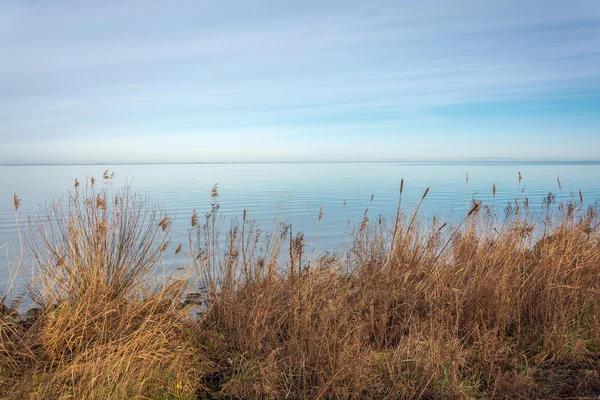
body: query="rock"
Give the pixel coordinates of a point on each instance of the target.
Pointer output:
(193, 298)
(30, 315)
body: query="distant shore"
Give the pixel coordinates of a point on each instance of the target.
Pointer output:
(471, 161)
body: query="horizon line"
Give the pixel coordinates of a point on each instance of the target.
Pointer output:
(487, 160)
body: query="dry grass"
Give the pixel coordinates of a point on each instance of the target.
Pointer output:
(106, 326)
(492, 307)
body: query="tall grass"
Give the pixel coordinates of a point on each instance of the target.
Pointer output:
(107, 326)
(497, 305)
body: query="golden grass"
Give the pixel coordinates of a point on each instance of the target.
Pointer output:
(491, 307)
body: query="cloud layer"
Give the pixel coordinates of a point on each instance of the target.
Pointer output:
(275, 81)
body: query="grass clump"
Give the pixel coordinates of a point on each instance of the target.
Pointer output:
(105, 326)
(490, 307)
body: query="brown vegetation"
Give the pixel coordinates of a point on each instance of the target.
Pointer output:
(489, 308)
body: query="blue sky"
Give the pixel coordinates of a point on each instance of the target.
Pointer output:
(188, 81)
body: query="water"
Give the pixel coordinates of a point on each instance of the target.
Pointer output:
(295, 192)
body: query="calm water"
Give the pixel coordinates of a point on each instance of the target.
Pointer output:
(295, 192)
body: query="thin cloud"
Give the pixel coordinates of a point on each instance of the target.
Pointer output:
(275, 70)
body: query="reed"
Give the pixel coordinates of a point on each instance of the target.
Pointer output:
(488, 307)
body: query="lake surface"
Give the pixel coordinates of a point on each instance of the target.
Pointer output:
(295, 192)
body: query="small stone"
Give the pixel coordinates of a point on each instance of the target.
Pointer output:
(30, 315)
(193, 298)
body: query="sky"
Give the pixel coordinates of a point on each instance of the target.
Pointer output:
(252, 81)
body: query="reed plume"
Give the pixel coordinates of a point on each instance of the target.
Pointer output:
(16, 202)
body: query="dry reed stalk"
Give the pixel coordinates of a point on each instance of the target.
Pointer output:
(396, 222)
(467, 191)
(559, 184)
